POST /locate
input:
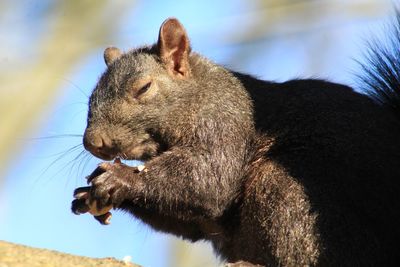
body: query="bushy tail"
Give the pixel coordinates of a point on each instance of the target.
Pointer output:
(381, 70)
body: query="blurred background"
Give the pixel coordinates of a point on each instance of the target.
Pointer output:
(52, 55)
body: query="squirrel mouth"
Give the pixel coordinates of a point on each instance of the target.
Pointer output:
(141, 152)
(144, 150)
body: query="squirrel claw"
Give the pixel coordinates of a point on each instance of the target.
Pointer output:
(79, 206)
(104, 219)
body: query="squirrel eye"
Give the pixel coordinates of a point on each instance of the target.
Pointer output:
(143, 89)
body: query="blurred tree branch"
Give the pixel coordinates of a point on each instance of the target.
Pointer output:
(274, 18)
(76, 27)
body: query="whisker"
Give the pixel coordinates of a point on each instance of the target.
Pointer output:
(61, 155)
(69, 163)
(53, 137)
(76, 160)
(86, 157)
(76, 86)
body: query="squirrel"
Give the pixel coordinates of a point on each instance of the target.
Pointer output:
(300, 173)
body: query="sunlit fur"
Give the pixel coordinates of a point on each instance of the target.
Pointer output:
(300, 173)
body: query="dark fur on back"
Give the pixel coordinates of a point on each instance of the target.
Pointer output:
(300, 173)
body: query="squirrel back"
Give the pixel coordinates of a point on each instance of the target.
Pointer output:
(300, 173)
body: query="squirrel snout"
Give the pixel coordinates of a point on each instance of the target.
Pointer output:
(100, 145)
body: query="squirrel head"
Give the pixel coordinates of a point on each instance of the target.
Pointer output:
(138, 96)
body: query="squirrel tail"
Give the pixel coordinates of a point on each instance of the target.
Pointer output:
(381, 70)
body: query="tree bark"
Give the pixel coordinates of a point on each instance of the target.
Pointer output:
(13, 255)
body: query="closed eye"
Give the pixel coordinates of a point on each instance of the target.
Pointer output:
(143, 89)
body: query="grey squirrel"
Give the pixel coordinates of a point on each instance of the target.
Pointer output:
(299, 173)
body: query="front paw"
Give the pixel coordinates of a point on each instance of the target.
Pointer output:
(112, 184)
(80, 204)
(83, 203)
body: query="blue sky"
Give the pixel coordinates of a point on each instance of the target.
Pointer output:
(35, 198)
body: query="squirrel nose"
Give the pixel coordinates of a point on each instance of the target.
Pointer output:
(100, 145)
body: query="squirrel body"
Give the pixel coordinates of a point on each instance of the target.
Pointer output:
(300, 173)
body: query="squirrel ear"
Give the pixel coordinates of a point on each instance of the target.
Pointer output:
(111, 54)
(174, 48)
